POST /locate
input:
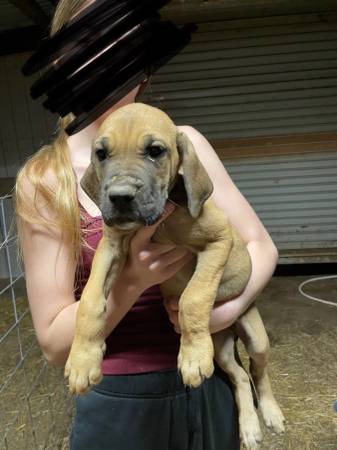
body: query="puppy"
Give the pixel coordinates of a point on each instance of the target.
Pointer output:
(139, 161)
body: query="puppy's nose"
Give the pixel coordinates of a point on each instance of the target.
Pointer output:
(121, 199)
(122, 196)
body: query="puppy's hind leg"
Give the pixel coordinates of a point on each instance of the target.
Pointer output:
(224, 348)
(252, 332)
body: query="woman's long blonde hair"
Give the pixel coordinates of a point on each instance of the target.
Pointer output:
(53, 159)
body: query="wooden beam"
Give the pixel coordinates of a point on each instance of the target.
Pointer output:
(31, 9)
(320, 256)
(20, 40)
(275, 145)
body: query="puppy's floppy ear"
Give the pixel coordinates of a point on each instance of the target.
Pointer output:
(90, 184)
(198, 184)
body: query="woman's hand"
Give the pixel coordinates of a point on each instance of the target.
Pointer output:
(223, 315)
(150, 263)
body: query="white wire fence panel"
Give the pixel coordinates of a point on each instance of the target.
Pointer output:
(36, 408)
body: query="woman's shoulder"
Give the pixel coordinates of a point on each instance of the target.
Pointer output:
(29, 182)
(188, 129)
(202, 146)
(198, 139)
(35, 191)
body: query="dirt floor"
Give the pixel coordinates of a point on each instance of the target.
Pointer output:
(35, 407)
(303, 362)
(303, 371)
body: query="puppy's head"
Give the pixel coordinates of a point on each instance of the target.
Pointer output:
(134, 164)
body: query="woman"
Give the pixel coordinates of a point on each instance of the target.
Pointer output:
(141, 402)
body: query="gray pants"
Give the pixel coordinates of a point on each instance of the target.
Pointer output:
(154, 411)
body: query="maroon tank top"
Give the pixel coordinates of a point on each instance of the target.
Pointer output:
(144, 340)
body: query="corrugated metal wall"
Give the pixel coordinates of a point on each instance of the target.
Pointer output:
(245, 78)
(296, 199)
(24, 124)
(241, 78)
(254, 77)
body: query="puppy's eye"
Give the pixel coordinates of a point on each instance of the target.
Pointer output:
(154, 151)
(101, 154)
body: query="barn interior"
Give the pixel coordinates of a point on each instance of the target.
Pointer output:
(259, 81)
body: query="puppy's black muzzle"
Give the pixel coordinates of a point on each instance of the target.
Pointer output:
(128, 200)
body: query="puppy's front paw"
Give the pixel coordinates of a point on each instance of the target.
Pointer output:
(83, 367)
(195, 360)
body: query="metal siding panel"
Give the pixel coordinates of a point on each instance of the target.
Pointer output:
(270, 131)
(8, 132)
(299, 213)
(25, 124)
(36, 113)
(213, 119)
(254, 24)
(302, 24)
(275, 35)
(207, 73)
(202, 101)
(219, 50)
(254, 77)
(249, 79)
(3, 169)
(277, 86)
(248, 61)
(306, 207)
(282, 221)
(20, 115)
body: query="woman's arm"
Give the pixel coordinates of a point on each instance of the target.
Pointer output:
(50, 275)
(262, 250)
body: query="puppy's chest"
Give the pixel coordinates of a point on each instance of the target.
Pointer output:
(181, 229)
